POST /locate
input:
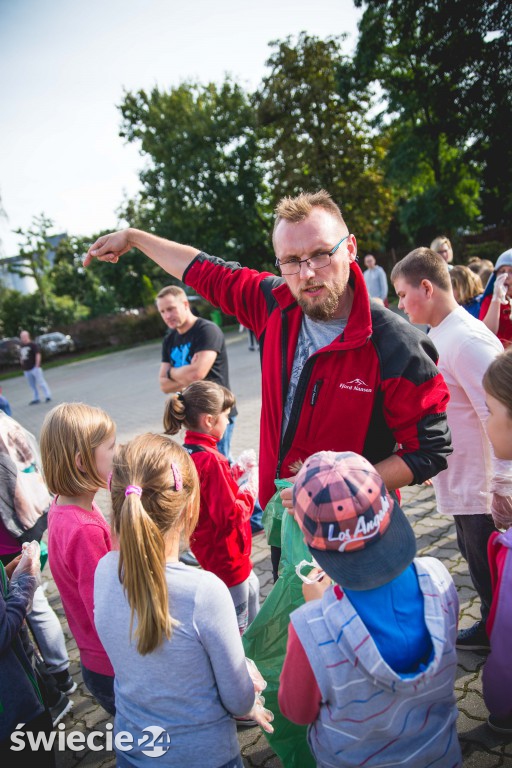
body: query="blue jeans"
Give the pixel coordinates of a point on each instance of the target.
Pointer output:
(101, 687)
(224, 444)
(246, 597)
(257, 514)
(47, 631)
(36, 379)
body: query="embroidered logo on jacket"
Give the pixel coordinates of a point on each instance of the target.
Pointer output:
(358, 385)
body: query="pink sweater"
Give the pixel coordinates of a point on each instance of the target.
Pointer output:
(77, 540)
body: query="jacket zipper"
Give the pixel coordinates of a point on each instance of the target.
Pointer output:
(316, 389)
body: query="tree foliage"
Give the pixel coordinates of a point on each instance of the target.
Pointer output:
(314, 138)
(99, 287)
(202, 183)
(34, 250)
(444, 73)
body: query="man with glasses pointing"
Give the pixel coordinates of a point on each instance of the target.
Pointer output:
(338, 372)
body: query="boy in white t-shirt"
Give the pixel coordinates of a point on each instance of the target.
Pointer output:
(474, 480)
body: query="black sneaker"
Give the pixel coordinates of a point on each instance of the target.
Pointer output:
(65, 682)
(34, 402)
(60, 709)
(473, 638)
(501, 725)
(48, 400)
(188, 558)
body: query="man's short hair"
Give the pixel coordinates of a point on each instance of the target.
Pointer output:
(172, 290)
(298, 208)
(423, 264)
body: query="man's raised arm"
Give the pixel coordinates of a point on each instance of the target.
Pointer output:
(174, 258)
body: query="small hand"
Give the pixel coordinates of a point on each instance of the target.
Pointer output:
(262, 716)
(9, 568)
(501, 509)
(29, 563)
(315, 591)
(287, 497)
(500, 289)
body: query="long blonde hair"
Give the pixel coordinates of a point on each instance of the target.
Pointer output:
(466, 282)
(167, 479)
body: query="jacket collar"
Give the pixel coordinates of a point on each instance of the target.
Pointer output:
(359, 324)
(200, 438)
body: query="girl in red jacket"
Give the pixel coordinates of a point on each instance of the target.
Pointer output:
(222, 539)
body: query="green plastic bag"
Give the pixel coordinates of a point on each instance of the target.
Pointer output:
(273, 515)
(43, 553)
(265, 642)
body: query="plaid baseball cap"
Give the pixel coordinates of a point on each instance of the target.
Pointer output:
(355, 530)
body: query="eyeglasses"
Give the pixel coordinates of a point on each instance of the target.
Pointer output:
(320, 261)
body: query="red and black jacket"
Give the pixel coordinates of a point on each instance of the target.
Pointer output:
(374, 390)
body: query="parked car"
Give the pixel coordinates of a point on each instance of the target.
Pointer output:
(54, 343)
(10, 350)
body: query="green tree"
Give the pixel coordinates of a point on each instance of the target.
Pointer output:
(314, 137)
(26, 311)
(100, 288)
(203, 179)
(443, 74)
(57, 300)
(34, 250)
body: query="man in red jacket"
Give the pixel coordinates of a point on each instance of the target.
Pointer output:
(338, 372)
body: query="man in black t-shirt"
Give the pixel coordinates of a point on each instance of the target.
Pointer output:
(193, 349)
(30, 361)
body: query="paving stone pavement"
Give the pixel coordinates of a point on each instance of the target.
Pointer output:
(125, 384)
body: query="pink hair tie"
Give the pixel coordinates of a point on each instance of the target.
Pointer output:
(109, 481)
(178, 480)
(133, 489)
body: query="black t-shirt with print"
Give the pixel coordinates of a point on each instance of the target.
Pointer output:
(179, 348)
(28, 354)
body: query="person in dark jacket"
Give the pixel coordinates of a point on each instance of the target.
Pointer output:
(23, 712)
(338, 372)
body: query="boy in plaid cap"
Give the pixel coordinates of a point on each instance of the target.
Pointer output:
(371, 663)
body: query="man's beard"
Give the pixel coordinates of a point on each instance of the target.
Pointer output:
(323, 309)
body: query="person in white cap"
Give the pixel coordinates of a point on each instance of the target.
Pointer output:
(497, 298)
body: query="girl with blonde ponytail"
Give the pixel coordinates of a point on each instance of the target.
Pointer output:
(170, 630)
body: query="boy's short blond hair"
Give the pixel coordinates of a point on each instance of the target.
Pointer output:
(70, 429)
(423, 264)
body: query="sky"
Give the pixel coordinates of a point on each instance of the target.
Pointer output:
(64, 68)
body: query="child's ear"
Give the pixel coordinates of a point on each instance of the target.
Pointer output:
(208, 421)
(78, 461)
